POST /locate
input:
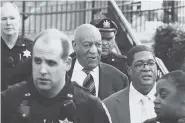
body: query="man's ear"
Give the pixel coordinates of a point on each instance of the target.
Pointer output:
(68, 63)
(129, 71)
(74, 45)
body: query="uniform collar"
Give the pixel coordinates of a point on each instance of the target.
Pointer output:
(63, 94)
(19, 42)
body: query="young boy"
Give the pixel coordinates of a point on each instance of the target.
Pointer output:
(170, 99)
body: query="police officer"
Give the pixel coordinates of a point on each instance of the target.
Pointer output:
(49, 96)
(15, 49)
(108, 29)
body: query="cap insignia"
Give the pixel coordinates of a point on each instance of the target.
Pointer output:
(106, 24)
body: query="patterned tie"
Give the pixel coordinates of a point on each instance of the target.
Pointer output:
(89, 82)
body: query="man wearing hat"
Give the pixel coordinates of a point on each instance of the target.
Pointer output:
(108, 30)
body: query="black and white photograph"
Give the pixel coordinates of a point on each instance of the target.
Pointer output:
(86, 61)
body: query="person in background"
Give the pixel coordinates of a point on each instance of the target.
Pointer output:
(108, 30)
(103, 79)
(49, 96)
(15, 49)
(170, 98)
(134, 104)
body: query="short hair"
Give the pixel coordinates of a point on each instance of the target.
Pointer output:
(136, 49)
(62, 36)
(13, 5)
(177, 78)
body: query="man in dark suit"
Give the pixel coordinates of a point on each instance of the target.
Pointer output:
(106, 79)
(134, 104)
(108, 30)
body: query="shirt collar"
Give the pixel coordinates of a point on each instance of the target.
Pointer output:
(136, 96)
(78, 67)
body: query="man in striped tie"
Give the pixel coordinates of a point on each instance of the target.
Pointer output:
(98, 78)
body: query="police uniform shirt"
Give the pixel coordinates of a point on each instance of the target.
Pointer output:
(11, 58)
(29, 106)
(49, 110)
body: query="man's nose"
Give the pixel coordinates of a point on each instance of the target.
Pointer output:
(43, 70)
(93, 49)
(157, 100)
(146, 67)
(104, 42)
(8, 21)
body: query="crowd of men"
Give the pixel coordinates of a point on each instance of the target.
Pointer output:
(42, 83)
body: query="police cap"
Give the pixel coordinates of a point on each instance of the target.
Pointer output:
(107, 27)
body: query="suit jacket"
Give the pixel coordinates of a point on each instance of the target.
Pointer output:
(118, 106)
(111, 79)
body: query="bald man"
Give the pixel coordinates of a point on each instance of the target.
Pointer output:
(100, 79)
(15, 49)
(49, 96)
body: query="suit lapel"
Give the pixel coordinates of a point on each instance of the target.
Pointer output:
(122, 107)
(104, 84)
(70, 72)
(101, 81)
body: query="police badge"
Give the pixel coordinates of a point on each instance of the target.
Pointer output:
(65, 121)
(27, 53)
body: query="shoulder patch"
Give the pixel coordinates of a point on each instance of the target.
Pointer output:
(17, 88)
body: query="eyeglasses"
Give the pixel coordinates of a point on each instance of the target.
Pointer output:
(140, 65)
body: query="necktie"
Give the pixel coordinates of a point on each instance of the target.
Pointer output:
(144, 108)
(147, 109)
(89, 82)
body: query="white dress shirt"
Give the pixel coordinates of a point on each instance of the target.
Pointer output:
(79, 75)
(141, 106)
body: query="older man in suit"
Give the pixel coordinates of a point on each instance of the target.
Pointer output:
(134, 104)
(100, 79)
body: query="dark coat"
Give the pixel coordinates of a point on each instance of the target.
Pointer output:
(116, 60)
(81, 107)
(111, 79)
